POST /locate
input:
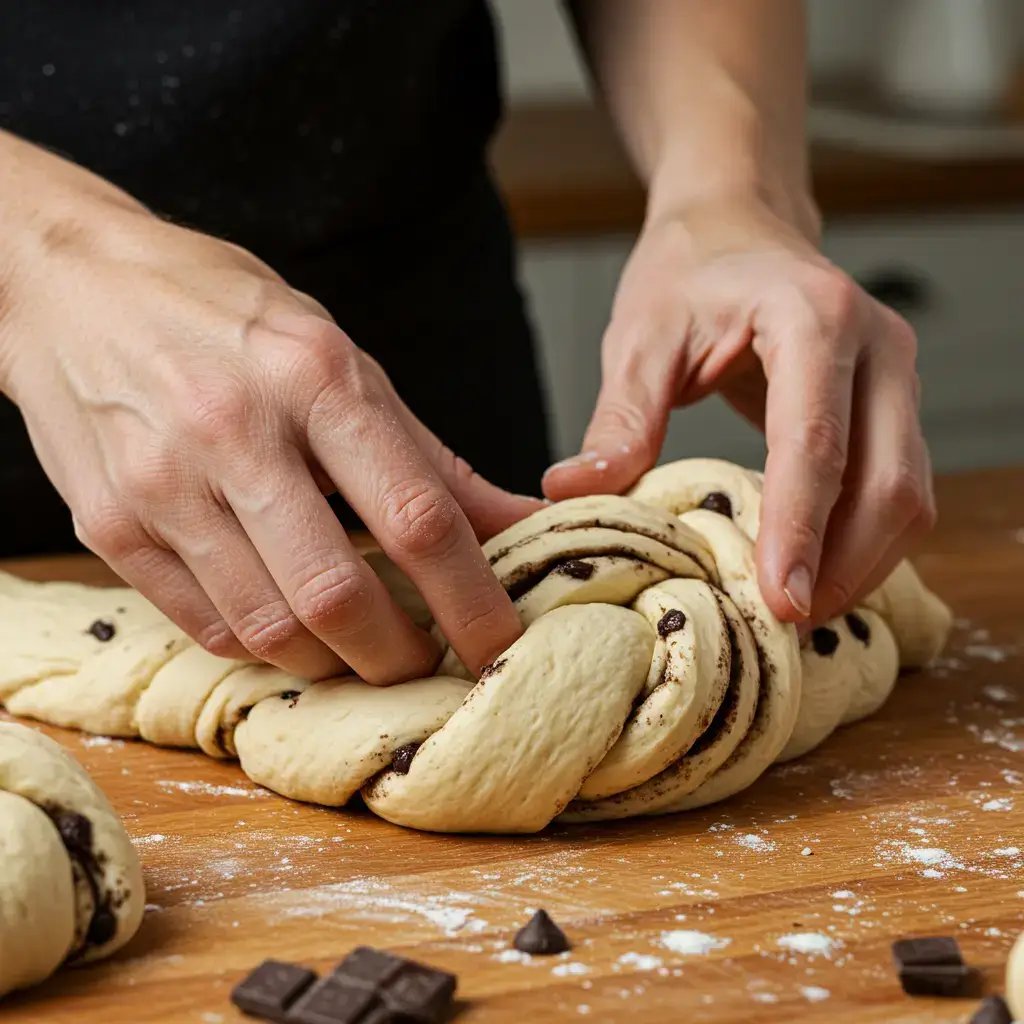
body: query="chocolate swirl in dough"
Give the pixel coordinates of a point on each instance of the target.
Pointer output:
(71, 885)
(651, 677)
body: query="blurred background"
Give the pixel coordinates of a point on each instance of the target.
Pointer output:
(917, 129)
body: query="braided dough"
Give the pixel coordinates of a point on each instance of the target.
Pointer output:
(651, 677)
(71, 885)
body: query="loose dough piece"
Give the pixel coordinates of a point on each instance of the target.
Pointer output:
(1015, 979)
(71, 886)
(651, 678)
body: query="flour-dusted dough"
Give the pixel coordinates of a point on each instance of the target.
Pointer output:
(652, 677)
(1015, 979)
(71, 886)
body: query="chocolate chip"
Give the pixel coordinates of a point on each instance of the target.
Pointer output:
(374, 987)
(993, 1011)
(292, 696)
(945, 980)
(928, 951)
(401, 760)
(102, 927)
(859, 628)
(489, 670)
(576, 569)
(271, 989)
(718, 502)
(671, 622)
(824, 641)
(75, 830)
(102, 630)
(541, 936)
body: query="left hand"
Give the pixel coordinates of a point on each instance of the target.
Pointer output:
(738, 302)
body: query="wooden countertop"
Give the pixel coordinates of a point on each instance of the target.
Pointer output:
(564, 174)
(914, 820)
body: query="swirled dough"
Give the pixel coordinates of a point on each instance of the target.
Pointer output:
(71, 886)
(1015, 979)
(651, 678)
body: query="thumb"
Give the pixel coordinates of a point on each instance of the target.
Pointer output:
(627, 430)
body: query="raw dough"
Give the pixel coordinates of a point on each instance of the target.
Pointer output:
(71, 886)
(651, 677)
(1015, 979)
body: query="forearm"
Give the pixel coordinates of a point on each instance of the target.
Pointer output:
(709, 100)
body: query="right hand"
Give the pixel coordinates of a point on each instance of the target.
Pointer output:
(193, 410)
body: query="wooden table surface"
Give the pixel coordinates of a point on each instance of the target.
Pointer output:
(914, 823)
(564, 174)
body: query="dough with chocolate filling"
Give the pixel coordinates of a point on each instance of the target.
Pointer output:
(71, 886)
(651, 677)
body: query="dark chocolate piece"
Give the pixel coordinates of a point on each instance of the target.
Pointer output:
(824, 641)
(401, 760)
(75, 830)
(947, 980)
(102, 630)
(718, 502)
(373, 987)
(576, 569)
(495, 666)
(993, 1011)
(292, 696)
(671, 622)
(859, 628)
(929, 951)
(271, 989)
(541, 936)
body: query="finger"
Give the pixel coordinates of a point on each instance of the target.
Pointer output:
(212, 543)
(887, 490)
(625, 435)
(810, 370)
(164, 580)
(328, 586)
(395, 490)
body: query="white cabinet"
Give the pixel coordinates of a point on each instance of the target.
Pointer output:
(969, 318)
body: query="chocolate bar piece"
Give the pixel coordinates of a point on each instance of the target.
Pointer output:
(948, 980)
(932, 952)
(993, 1011)
(373, 987)
(540, 935)
(271, 989)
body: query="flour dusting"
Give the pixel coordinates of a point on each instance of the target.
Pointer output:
(814, 993)
(641, 961)
(810, 944)
(207, 789)
(691, 943)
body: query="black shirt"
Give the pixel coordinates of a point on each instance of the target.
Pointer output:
(342, 141)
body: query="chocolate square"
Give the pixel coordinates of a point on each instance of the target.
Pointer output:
(334, 1001)
(420, 993)
(946, 980)
(270, 989)
(931, 950)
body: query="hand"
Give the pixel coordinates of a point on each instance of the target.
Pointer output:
(193, 411)
(738, 302)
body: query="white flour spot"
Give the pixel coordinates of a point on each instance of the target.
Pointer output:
(987, 652)
(691, 943)
(207, 789)
(843, 894)
(149, 840)
(641, 961)
(512, 956)
(810, 944)
(806, 852)
(999, 694)
(100, 741)
(754, 842)
(564, 970)
(213, 1018)
(1002, 804)
(1007, 851)
(583, 1009)
(814, 993)
(1002, 737)
(764, 997)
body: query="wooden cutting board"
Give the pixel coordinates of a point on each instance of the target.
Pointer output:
(778, 905)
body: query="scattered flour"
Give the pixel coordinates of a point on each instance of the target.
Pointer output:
(814, 993)
(988, 652)
(1001, 804)
(755, 842)
(764, 997)
(810, 944)
(100, 741)
(512, 956)
(207, 789)
(691, 943)
(148, 840)
(641, 961)
(1007, 851)
(564, 970)
(999, 694)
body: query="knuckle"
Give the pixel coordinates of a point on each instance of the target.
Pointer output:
(212, 416)
(109, 530)
(219, 640)
(421, 520)
(270, 631)
(902, 338)
(836, 297)
(903, 491)
(338, 598)
(823, 440)
(328, 353)
(151, 479)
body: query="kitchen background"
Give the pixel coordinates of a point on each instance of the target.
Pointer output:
(917, 127)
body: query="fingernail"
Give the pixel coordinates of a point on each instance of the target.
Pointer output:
(798, 589)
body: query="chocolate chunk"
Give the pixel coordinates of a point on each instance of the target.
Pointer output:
(946, 980)
(102, 927)
(75, 830)
(401, 760)
(271, 989)
(718, 502)
(373, 987)
(929, 951)
(576, 569)
(102, 630)
(671, 622)
(824, 641)
(993, 1011)
(292, 696)
(541, 936)
(859, 628)
(495, 666)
